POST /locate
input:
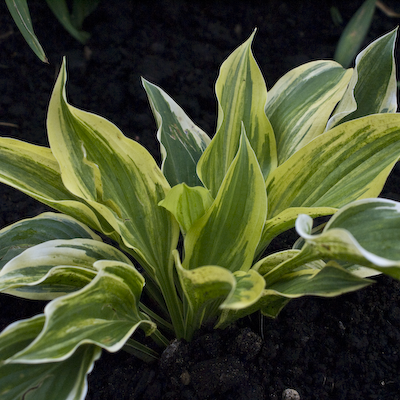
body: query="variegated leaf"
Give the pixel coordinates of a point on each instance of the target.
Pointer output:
(268, 263)
(330, 281)
(16, 238)
(350, 162)
(373, 86)
(228, 233)
(286, 220)
(310, 279)
(45, 283)
(365, 232)
(270, 303)
(248, 289)
(104, 313)
(56, 267)
(34, 171)
(187, 204)
(204, 287)
(276, 266)
(64, 380)
(116, 176)
(242, 94)
(300, 103)
(182, 142)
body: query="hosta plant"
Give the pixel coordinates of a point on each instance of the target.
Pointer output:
(168, 249)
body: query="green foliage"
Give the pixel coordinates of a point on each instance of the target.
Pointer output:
(321, 142)
(20, 12)
(357, 29)
(71, 20)
(355, 32)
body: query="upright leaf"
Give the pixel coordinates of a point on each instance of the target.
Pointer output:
(61, 11)
(228, 233)
(242, 94)
(300, 103)
(182, 142)
(203, 287)
(373, 86)
(354, 34)
(116, 176)
(187, 204)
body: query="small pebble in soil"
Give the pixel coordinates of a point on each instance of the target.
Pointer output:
(290, 394)
(185, 378)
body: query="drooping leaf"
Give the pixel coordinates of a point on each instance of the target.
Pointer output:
(62, 380)
(56, 267)
(270, 304)
(104, 313)
(34, 171)
(44, 283)
(241, 94)
(373, 86)
(330, 281)
(182, 142)
(309, 279)
(286, 220)
(365, 232)
(18, 335)
(228, 233)
(268, 263)
(300, 103)
(16, 238)
(382, 216)
(209, 288)
(187, 204)
(354, 34)
(243, 299)
(20, 12)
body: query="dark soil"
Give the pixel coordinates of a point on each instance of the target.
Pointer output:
(342, 348)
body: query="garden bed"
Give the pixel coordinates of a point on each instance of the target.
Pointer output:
(342, 348)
